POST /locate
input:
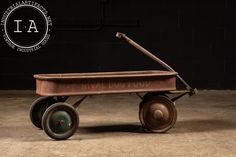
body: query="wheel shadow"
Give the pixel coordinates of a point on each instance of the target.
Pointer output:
(113, 128)
(185, 126)
(206, 125)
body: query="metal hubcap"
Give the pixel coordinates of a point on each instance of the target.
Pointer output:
(60, 122)
(158, 115)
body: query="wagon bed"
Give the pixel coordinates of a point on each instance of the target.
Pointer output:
(104, 82)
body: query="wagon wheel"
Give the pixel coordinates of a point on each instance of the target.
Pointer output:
(146, 97)
(40, 105)
(158, 114)
(60, 121)
(37, 109)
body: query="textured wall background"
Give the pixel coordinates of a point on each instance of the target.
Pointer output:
(197, 38)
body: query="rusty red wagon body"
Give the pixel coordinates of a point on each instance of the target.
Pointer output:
(104, 83)
(157, 111)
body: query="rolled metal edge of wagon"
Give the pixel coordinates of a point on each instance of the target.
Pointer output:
(157, 112)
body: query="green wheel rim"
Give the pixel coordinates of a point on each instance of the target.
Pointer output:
(60, 122)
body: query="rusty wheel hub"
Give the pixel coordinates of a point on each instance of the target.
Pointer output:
(158, 114)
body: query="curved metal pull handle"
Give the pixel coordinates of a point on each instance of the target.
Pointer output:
(156, 59)
(146, 52)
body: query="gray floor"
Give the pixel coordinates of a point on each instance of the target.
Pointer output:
(109, 126)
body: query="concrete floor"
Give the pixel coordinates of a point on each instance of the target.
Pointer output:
(109, 126)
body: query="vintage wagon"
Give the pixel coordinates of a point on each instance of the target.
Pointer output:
(157, 112)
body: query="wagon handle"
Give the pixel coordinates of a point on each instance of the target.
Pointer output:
(156, 59)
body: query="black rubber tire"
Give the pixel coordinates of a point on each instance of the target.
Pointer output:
(60, 107)
(141, 113)
(38, 107)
